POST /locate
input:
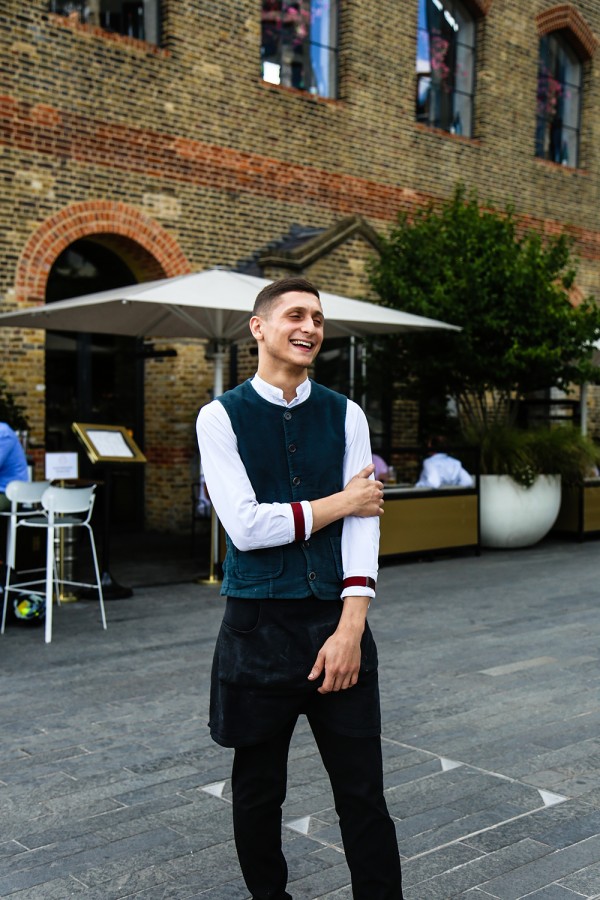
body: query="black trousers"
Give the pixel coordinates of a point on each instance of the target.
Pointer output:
(354, 766)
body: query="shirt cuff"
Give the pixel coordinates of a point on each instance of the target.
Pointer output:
(358, 586)
(302, 520)
(308, 519)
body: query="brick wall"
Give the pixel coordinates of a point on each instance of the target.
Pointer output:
(184, 159)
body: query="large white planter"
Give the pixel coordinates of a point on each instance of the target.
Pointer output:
(513, 516)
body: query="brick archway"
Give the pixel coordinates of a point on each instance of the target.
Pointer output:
(163, 256)
(566, 17)
(479, 7)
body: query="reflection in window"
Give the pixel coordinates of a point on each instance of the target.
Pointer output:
(445, 66)
(558, 101)
(299, 44)
(134, 18)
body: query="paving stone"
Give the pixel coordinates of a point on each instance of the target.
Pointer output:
(459, 829)
(56, 889)
(422, 868)
(585, 881)
(553, 892)
(542, 873)
(120, 717)
(577, 829)
(452, 883)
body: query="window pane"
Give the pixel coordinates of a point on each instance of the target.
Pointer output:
(461, 123)
(570, 107)
(466, 26)
(465, 65)
(570, 147)
(323, 37)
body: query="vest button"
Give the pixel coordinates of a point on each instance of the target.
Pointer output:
(306, 544)
(287, 415)
(295, 480)
(312, 576)
(292, 448)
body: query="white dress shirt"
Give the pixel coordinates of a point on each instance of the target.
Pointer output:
(252, 525)
(441, 469)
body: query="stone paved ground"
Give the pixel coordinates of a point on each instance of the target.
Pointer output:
(110, 786)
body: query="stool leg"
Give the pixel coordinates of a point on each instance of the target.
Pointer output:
(49, 582)
(6, 590)
(4, 609)
(97, 570)
(11, 541)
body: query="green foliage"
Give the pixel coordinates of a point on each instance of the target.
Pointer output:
(508, 291)
(11, 412)
(524, 454)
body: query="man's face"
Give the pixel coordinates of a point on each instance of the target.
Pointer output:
(292, 331)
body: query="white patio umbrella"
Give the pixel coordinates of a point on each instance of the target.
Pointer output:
(214, 304)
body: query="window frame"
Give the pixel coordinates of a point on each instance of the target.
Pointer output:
(563, 43)
(85, 17)
(307, 45)
(468, 14)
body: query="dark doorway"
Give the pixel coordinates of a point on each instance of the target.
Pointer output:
(95, 377)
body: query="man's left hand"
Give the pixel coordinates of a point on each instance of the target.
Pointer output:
(340, 655)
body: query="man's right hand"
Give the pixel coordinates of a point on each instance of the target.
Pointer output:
(364, 495)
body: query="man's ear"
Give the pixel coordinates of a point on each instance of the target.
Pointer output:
(256, 328)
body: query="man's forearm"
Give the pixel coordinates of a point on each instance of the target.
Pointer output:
(362, 496)
(354, 614)
(330, 509)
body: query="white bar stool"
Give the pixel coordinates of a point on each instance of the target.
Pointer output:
(65, 507)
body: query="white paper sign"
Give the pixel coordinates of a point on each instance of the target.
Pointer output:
(61, 465)
(110, 443)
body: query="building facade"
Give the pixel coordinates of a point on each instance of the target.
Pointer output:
(155, 138)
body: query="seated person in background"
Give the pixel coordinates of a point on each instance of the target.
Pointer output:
(439, 469)
(382, 470)
(13, 463)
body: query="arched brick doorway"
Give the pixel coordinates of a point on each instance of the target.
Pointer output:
(90, 377)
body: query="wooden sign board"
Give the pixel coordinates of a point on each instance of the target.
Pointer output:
(108, 443)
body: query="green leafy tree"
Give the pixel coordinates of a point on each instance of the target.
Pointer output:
(507, 290)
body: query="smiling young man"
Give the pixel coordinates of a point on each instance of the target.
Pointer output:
(288, 467)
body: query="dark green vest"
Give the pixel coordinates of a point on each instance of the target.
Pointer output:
(289, 455)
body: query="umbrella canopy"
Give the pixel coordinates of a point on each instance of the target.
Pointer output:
(214, 304)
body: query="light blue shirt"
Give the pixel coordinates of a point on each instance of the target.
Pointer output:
(13, 464)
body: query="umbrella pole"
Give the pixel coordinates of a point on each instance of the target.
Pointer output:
(214, 551)
(214, 521)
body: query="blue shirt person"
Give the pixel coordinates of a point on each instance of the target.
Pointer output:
(13, 463)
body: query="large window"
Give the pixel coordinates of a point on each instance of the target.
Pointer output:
(446, 66)
(558, 101)
(299, 44)
(135, 18)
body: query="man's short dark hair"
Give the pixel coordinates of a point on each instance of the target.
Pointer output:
(272, 292)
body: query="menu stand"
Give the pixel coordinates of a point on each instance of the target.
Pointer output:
(109, 445)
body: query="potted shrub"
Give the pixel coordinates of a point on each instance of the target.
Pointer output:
(521, 474)
(510, 290)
